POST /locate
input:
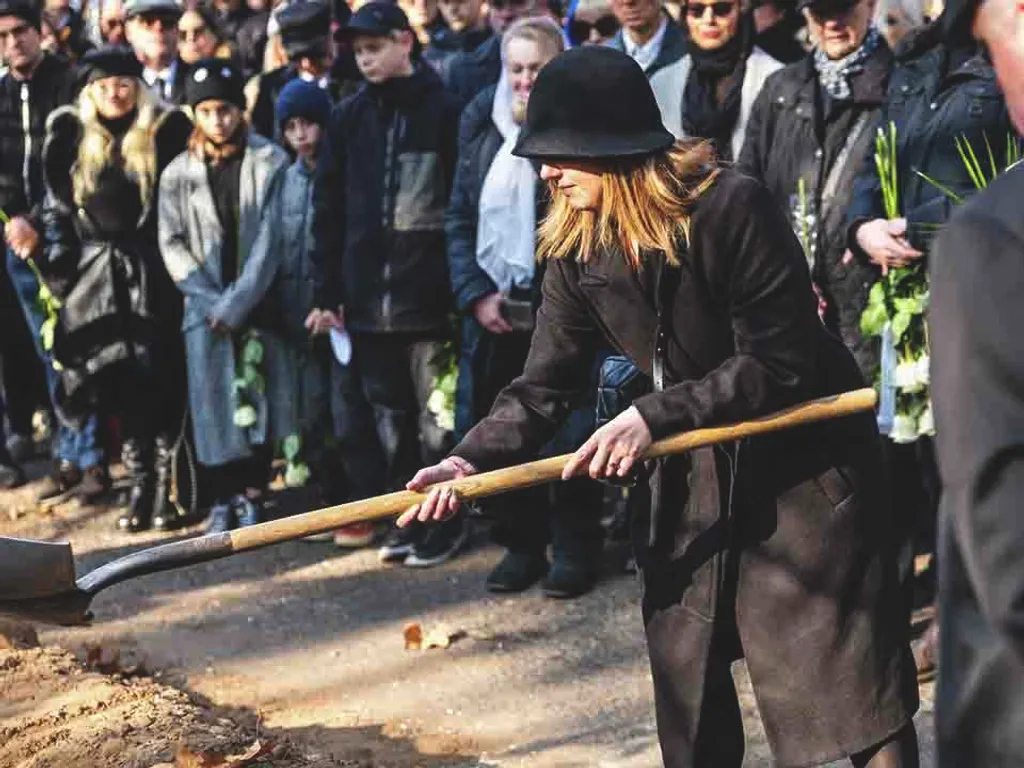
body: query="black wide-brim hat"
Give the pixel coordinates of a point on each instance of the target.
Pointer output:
(110, 61)
(590, 103)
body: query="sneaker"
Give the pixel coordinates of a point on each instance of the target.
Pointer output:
(221, 519)
(517, 572)
(247, 511)
(60, 485)
(11, 476)
(21, 448)
(95, 484)
(399, 542)
(355, 535)
(440, 543)
(569, 578)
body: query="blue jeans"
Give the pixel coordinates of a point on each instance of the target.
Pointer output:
(80, 447)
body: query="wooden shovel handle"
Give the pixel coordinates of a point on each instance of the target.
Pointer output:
(539, 472)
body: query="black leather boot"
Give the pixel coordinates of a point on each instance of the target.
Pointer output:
(137, 458)
(166, 515)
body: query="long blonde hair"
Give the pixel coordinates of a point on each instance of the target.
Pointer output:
(138, 147)
(645, 206)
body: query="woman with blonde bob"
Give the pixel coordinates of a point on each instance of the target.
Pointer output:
(117, 341)
(778, 549)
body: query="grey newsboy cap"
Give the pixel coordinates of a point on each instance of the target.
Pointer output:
(152, 7)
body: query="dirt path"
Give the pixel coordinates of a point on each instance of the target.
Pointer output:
(308, 641)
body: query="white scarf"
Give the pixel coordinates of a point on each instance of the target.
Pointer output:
(507, 215)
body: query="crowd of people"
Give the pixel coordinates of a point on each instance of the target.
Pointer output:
(273, 235)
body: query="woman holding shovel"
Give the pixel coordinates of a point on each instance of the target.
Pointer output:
(779, 549)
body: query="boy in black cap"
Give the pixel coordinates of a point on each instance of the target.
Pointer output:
(45, 82)
(383, 179)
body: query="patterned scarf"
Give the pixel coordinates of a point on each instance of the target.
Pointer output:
(834, 76)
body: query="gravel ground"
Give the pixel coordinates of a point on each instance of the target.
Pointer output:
(308, 642)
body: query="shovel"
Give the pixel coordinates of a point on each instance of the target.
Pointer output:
(37, 579)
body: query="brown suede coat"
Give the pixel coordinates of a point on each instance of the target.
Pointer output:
(781, 548)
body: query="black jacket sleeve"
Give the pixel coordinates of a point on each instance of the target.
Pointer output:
(757, 142)
(757, 269)
(329, 215)
(528, 412)
(978, 394)
(469, 282)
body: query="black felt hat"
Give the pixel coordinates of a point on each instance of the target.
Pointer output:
(305, 27)
(592, 102)
(111, 61)
(215, 79)
(377, 19)
(25, 10)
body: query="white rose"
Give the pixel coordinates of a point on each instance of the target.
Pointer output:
(926, 424)
(445, 419)
(923, 367)
(904, 430)
(435, 403)
(905, 377)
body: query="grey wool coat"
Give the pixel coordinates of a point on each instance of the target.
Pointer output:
(191, 239)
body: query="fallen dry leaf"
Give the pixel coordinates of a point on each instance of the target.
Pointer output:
(185, 758)
(108, 661)
(413, 634)
(442, 637)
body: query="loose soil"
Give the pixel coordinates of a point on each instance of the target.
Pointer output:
(303, 646)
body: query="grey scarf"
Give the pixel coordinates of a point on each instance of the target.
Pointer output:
(834, 76)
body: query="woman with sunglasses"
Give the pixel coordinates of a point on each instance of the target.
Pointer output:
(590, 22)
(780, 549)
(709, 93)
(199, 38)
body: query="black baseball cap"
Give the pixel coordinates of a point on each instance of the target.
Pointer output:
(376, 19)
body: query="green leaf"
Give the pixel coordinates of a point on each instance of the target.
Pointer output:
(252, 352)
(46, 332)
(873, 320)
(291, 447)
(900, 323)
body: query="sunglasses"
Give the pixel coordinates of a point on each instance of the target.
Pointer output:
(579, 31)
(191, 35)
(720, 10)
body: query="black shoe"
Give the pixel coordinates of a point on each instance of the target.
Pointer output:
(11, 476)
(221, 519)
(137, 459)
(440, 543)
(60, 485)
(94, 486)
(167, 516)
(517, 572)
(399, 543)
(569, 578)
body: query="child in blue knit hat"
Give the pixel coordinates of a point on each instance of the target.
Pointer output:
(302, 111)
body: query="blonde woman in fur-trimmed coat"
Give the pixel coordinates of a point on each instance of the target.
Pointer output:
(116, 340)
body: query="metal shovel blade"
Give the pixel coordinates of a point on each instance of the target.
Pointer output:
(35, 569)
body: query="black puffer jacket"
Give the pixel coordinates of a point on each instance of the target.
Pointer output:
(936, 95)
(793, 134)
(446, 45)
(471, 72)
(52, 85)
(383, 179)
(102, 257)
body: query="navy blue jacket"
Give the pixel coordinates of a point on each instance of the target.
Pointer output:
(383, 179)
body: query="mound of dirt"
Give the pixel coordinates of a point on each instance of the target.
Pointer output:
(56, 713)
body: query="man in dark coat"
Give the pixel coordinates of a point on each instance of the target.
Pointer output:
(246, 28)
(44, 82)
(467, 28)
(976, 315)
(152, 30)
(811, 127)
(305, 34)
(647, 34)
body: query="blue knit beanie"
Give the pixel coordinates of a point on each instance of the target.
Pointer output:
(301, 98)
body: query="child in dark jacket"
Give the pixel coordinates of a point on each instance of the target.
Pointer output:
(382, 182)
(323, 386)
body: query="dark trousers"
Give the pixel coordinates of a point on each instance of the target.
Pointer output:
(225, 481)
(395, 374)
(359, 452)
(24, 385)
(565, 515)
